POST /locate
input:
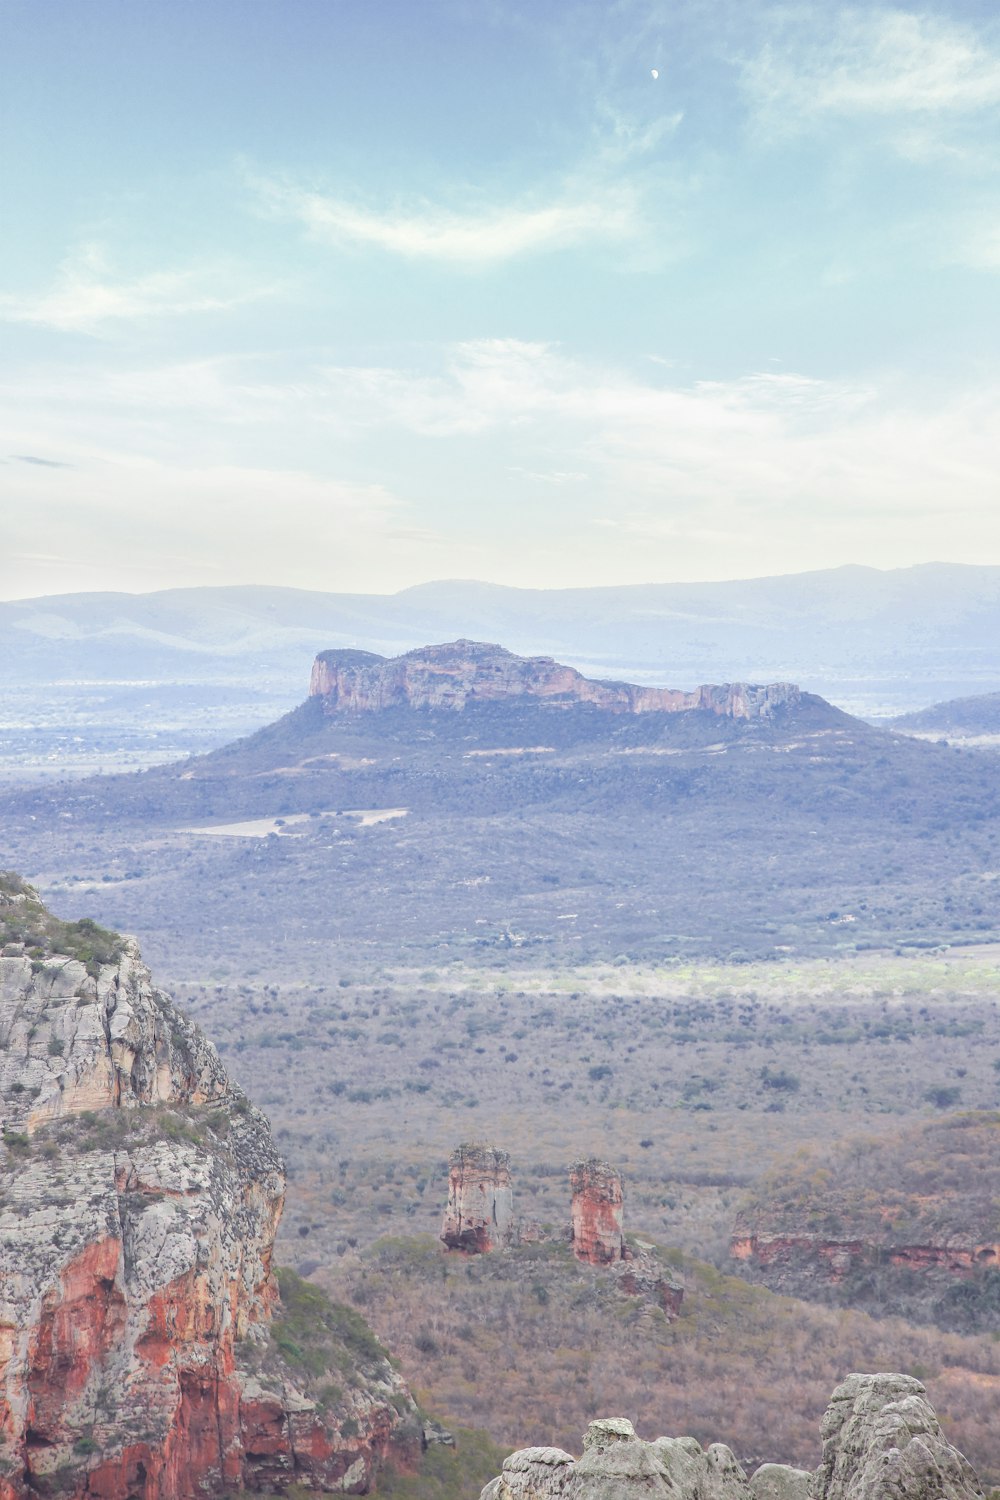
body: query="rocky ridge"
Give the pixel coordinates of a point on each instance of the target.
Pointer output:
(881, 1439)
(461, 673)
(144, 1348)
(909, 1221)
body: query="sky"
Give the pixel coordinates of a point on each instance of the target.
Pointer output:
(356, 294)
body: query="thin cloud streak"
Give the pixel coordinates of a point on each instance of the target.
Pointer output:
(869, 63)
(476, 237)
(86, 298)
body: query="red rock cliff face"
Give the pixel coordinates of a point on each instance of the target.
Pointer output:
(479, 1216)
(461, 673)
(597, 1213)
(782, 1260)
(140, 1193)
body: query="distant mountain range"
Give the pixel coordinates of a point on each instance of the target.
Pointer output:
(106, 682)
(876, 643)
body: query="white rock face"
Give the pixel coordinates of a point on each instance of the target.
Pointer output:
(71, 1041)
(881, 1441)
(881, 1437)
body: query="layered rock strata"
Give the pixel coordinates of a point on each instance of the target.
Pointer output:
(597, 1207)
(140, 1194)
(479, 1216)
(800, 1263)
(459, 674)
(881, 1441)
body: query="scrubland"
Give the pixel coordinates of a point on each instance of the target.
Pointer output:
(529, 1345)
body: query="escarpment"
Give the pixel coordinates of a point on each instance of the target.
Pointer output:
(459, 674)
(145, 1349)
(880, 1438)
(907, 1223)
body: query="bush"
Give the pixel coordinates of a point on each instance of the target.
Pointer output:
(944, 1097)
(780, 1079)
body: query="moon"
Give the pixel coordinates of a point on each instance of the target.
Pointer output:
(654, 72)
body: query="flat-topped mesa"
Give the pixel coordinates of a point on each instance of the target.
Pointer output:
(462, 673)
(480, 1212)
(598, 1199)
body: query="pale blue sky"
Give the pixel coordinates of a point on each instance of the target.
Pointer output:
(354, 294)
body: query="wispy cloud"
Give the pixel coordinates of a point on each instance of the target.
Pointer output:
(879, 62)
(476, 236)
(86, 297)
(644, 475)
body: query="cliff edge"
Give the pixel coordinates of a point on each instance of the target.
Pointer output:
(145, 1350)
(459, 674)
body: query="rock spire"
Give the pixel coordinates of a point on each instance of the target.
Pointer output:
(597, 1206)
(480, 1211)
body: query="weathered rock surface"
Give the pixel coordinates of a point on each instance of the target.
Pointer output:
(881, 1441)
(459, 673)
(882, 1438)
(642, 1275)
(480, 1211)
(597, 1206)
(781, 1482)
(140, 1193)
(791, 1260)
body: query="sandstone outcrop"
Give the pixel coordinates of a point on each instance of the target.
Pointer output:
(789, 1261)
(597, 1205)
(462, 673)
(881, 1441)
(144, 1349)
(642, 1275)
(480, 1212)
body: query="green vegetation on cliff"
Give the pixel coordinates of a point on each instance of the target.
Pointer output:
(24, 919)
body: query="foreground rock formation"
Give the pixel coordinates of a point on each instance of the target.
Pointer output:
(597, 1207)
(479, 1216)
(881, 1441)
(144, 1350)
(462, 673)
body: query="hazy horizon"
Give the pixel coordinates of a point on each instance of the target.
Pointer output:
(354, 296)
(260, 584)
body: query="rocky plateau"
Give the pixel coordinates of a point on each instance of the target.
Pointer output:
(457, 674)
